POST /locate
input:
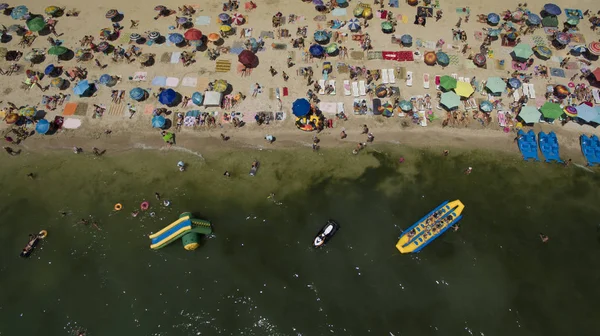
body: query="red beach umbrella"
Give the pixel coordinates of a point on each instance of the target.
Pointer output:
(193, 35)
(237, 19)
(596, 74)
(248, 59)
(594, 48)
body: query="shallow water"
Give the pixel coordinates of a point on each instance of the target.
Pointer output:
(258, 275)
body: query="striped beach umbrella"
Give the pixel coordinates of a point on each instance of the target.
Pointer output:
(112, 13)
(594, 48)
(354, 24)
(237, 19)
(105, 32)
(153, 35)
(571, 111)
(135, 37)
(543, 52)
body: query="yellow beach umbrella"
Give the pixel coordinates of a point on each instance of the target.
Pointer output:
(220, 85)
(367, 13)
(464, 89)
(51, 10)
(225, 28)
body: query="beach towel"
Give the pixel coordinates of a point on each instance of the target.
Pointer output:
(340, 107)
(384, 76)
(172, 81)
(391, 76)
(362, 88)
(189, 81)
(279, 46)
(71, 123)
(426, 81)
(372, 55)
(357, 55)
(454, 59)
(322, 85)
(539, 40)
(332, 83)
(165, 57)
(525, 88)
(409, 78)
(393, 3)
(223, 66)
(116, 110)
(202, 21)
(202, 83)
(328, 107)
(463, 10)
(339, 12)
(557, 72)
(531, 90)
(501, 119)
(159, 81)
(320, 18)
(140, 76)
(175, 57)
(516, 95)
(189, 121)
(267, 34)
(355, 91)
(69, 109)
(148, 109)
(236, 51)
(286, 91)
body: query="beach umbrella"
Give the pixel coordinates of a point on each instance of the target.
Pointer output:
(321, 36)
(137, 93)
(300, 107)
(36, 24)
(105, 79)
(511, 36)
(367, 13)
(50, 10)
(237, 19)
(551, 110)
(522, 51)
(57, 50)
(153, 35)
(412, 2)
(4, 6)
(57, 82)
(225, 28)
(493, 18)
(112, 13)
(517, 16)
(561, 91)
(514, 83)
(11, 118)
(193, 34)
(341, 2)
(594, 48)
(486, 106)
(358, 11)
(316, 50)
(573, 20)
(167, 97)
(552, 9)
(213, 37)
(578, 49)
(224, 17)
(197, 98)
(430, 58)
(49, 69)
(332, 48)
(182, 20)
(27, 111)
(571, 111)
(495, 85)
(550, 21)
(220, 85)
(81, 87)
(450, 100)
(387, 109)
(533, 19)
(562, 38)
(103, 46)
(586, 112)
(248, 58)
(158, 121)
(442, 58)
(15, 28)
(19, 12)
(543, 52)
(381, 91)
(105, 33)
(464, 89)
(479, 59)
(176, 38)
(387, 27)
(135, 37)
(406, 105)
(448, 83)
(30, 56)
(596, 74)
(42, 126)
(317, 2)
(494, 32)
(406, 39)
(354, 24)
(529, 114)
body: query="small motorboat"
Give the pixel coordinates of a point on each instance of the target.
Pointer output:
(326, 233)
(254, 168)
(33, 241)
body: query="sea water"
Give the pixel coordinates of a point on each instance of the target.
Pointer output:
(257, 274)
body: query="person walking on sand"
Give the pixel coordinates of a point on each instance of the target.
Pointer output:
(343, 134)
(365, 129)
(256, 89)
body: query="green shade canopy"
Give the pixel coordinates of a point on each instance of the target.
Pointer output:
(57, 50)
(447, 83)
(523, 51)
(573, 20)
(450, 100)
(550, 21)
(386, 25)
(551, 110)
(36, 24)
(529, 114)
(496, 85)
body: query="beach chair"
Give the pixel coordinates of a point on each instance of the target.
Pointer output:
(531, 91)
(347, 88)
(437, 82)
(391, 76)
(322, 85)
(355, 91)
(426, 80)
(409, 78)
(332, 83)
(384, 76)
(362, 88)
(596, 94)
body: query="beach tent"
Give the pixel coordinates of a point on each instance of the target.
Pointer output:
(212, 98)
(450, 100)
(551, 110)
(301, 107)
(529, 114)
(496, 85)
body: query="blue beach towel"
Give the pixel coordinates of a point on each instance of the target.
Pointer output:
(202, 21)
(159, 81)
(339, 12)
(236, 51)
(394, 3)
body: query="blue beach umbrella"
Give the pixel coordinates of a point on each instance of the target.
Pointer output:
(137, 93)
(552, 9)
(19, 12)
(341, 2)
(406, 39)
(197, 98)
(533, 19)
(442, 58)
(316, 50)
(105, 79)
(49, 69)
(514, 83)
(176, 38)
(494, 32)
(493, 18)
(318, 2)
(158, 121)
(81, 87)
(578, 49)
(354, 24)
(167, 97)
(42, 126)
(321, 36)
(300, 107)
(486, 106)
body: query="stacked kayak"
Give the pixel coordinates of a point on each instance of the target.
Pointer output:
(549, 146)
(590, 147)
(528, 145)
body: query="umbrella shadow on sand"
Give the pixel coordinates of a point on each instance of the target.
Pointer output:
(160, 40)
(65, 85)
(118, 18)
(5, 38)
(69, 55)
(38, 59)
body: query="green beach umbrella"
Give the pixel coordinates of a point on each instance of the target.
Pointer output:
(496, 85)
(529, 114)
(573, 20)
(550, 21)
(36, 24)
(27, 111)
(448, 83)
(450, 100)
(57, 50)
(551, 110)
(522, 51)
(386, 25)
(332, 48)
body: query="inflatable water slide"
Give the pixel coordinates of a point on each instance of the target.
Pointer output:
(187, 228)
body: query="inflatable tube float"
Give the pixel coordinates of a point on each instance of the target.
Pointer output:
(118, 207)
(144, 205)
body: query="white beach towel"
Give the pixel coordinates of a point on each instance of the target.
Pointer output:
(525, 88)
(175, 57)
(328, 107)
(391, 76)
(362, 88)
(384, 76)
(71, 123)
(140, 76)
(322, 85)
(596, 94)
(340, 107)
(355, 91)
(516, 95)
(332, 83)
(189, 81)
(172, 81)
(347, 88)
(455, 76)
(426, 80)
(531, 91)
(409, 78)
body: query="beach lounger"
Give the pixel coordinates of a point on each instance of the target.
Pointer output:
(409, 78)
(525, 88)
(423, 118)
(355, 91)
(332, 83)
(461, 79)
(340, 107)
(384, 76)
(437, 82)
(596, 94)
(347, 88)
(531, 91)
(391, 76)
(516, 95)
(455, 76)
(426, 80)
(322, 85)
(467, 80)
(362, 88)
